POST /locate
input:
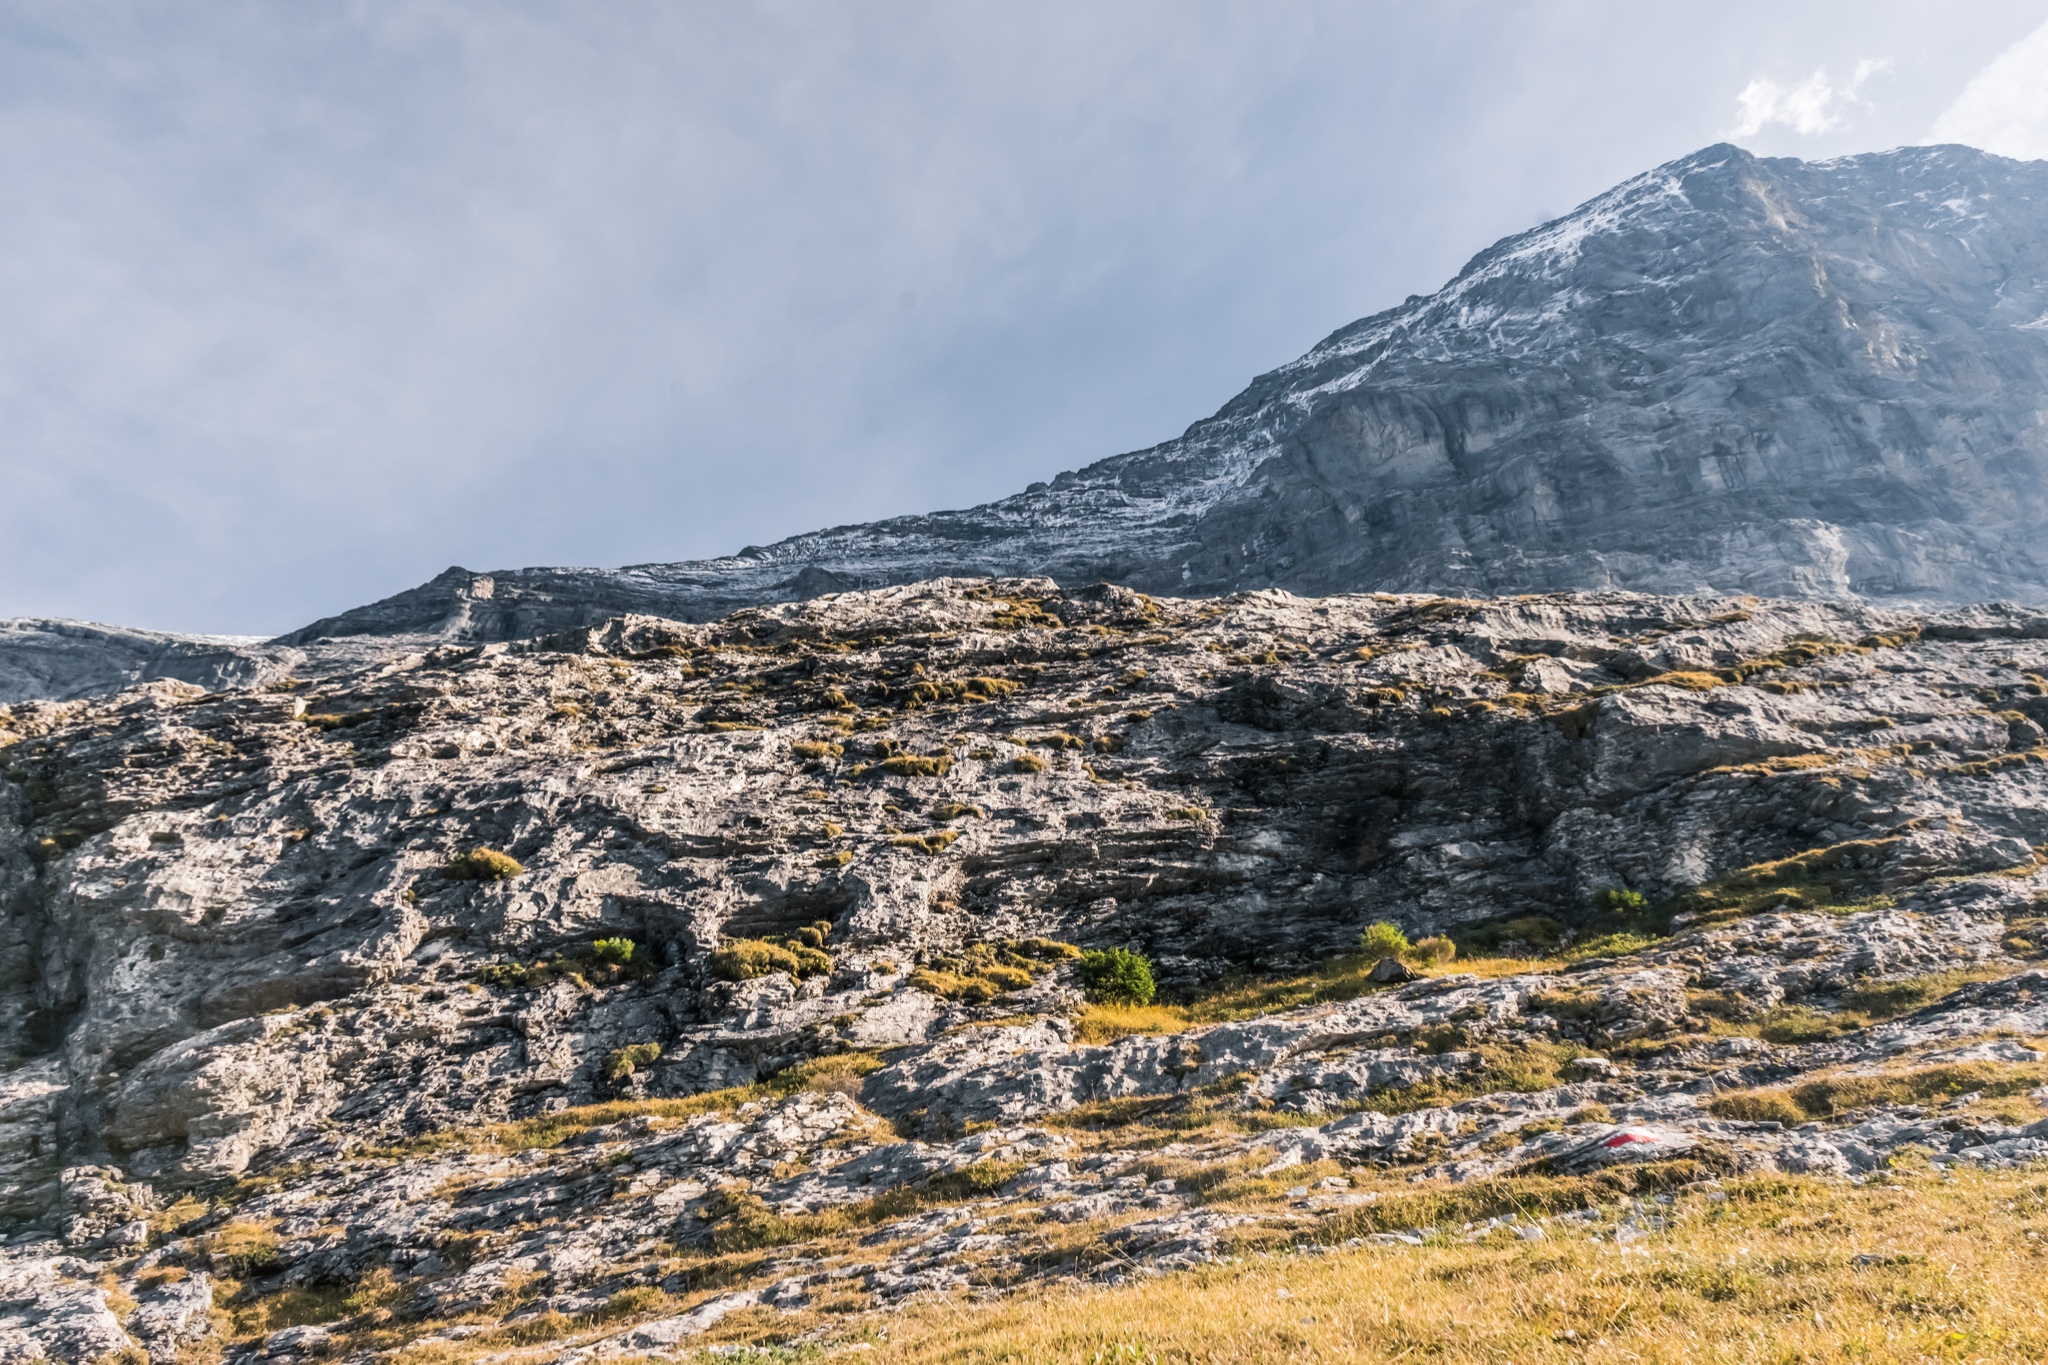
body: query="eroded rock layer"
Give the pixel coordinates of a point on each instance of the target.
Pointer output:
(620, 984)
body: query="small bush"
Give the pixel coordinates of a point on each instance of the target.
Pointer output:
(622, 1062)
(1434, 950)
(810, 748)
(1119, 975)
(1383, 939)
(1619, 900)
(482, 865)
(1027, 763)
(616, 951)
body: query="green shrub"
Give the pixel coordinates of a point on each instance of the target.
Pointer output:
(617, 951)
(1383, 939)
(1117, 975)
(622, 1062)
(482, 865)
(1619, 900)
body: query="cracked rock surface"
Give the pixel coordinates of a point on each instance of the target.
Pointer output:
(773, 1013)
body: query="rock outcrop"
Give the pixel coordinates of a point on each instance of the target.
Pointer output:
(762, 1004)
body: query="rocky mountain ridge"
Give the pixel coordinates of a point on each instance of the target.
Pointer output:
(760, 1010)
(1728, 374)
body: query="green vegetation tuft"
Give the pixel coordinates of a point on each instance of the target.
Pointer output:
(1383, 939)
(482, 865)
(980, 972)
(917, 765)
(935, 842)
(1117, 976)
(1621, 901)
(745, 959)
(620, 1063)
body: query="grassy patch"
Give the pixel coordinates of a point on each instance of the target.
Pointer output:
(1858, 1008)
(1777, 1270)
(980, 972)
(1837, 877)
(1827, 1096)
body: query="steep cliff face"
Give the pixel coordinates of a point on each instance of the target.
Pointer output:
(1759, 375)
(1729, 374)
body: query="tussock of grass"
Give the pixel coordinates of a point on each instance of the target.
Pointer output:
(935, 842)
(482, 865)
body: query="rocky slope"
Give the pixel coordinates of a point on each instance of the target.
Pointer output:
(775, 1020)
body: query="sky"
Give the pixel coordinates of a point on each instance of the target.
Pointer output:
(304, 303)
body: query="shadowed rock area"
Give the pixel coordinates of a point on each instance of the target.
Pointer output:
(764, 1007)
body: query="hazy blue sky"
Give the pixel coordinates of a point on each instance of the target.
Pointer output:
(304, 302)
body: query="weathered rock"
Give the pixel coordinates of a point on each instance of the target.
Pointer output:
(272, 1031)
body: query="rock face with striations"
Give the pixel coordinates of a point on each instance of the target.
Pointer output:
(1731, 374)
(782, 941)
(580, 964)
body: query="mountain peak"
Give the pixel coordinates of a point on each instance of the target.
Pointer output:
(1728, 373)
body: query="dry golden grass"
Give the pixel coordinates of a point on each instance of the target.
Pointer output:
(1770, 1274)
(1839, 1092)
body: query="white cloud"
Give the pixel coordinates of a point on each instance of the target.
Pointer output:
(2004, 108)
(1814, 106)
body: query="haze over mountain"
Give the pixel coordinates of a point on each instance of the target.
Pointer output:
(1730, 373)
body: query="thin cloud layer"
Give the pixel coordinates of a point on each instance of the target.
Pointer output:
(1814, 106)
(2005, 109)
